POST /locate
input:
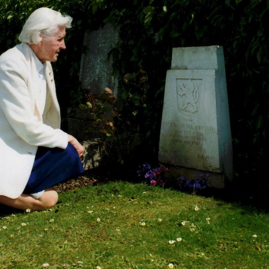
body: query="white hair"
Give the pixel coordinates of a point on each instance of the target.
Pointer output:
(43, 22)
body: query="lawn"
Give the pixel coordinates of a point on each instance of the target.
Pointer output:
(125, 225)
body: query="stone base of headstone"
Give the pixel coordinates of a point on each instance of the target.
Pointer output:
(215, 180)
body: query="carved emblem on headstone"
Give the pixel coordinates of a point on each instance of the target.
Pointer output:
(188, 92)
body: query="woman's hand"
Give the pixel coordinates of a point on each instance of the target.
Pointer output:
(73, 141)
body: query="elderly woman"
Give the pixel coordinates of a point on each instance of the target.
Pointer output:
(34, 153)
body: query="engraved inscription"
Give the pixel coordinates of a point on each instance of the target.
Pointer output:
(190, 145)
(188, 92)
(188, 138)
(201, 157)
(191, 127)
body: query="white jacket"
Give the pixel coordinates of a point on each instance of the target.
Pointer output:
(22, 127)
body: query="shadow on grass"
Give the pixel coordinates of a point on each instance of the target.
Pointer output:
(6, 210)
(244, 192)
(241, 194)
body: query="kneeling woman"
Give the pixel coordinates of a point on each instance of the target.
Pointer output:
(35, 154)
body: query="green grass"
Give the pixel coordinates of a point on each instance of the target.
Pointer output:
(137, 222)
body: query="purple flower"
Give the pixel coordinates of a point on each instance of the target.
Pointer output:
(189, 184)
(146, 166)
(150, 175)
(155, 176)
(147, 175)
(197, 184)
(143, 169)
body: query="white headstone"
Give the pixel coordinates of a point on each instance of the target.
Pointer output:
(195, 131)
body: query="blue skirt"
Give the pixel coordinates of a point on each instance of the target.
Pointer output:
(52, 166)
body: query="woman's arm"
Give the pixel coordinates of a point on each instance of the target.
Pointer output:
(73, 141)
(17, 102)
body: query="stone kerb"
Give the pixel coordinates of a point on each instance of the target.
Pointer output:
(92, 156)
(195, 130)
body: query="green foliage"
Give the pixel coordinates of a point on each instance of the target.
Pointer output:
(245, 39)
(135, 98)
(100, 111)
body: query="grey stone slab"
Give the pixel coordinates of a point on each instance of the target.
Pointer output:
(96, 70)
(198, 58)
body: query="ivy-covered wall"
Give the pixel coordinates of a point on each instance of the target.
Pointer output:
(149, 31)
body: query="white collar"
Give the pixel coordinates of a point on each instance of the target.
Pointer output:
(39, 66)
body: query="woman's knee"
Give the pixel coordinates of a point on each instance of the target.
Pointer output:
(49, 198)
